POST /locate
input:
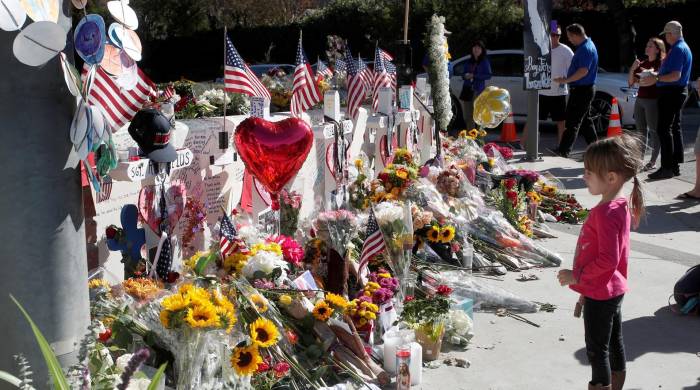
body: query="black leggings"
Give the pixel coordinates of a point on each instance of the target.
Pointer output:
(604, 345)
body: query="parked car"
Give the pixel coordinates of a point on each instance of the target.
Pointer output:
(261, 69)
(507, 69)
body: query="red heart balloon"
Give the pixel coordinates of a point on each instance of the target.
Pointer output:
(273, 151)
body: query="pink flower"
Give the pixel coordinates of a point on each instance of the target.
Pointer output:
(291, 250)
(281, 369)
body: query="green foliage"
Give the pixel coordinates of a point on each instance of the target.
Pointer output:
(155, 381)
(56, 372)
(425, 310)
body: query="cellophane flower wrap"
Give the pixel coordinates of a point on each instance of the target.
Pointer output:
(395, 220)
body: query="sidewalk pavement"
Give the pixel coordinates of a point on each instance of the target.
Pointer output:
(663, 349)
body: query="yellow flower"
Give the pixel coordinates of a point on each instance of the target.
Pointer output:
(260, 302)
(95, 283)
(235, 262)
(482, 133)
(389, 166)
(433, 234)
(474, 133)
(469, 137)
(396, 191)
(322, 311)
(185, 288)
(202, 316)
(264, 333)
(359, 164)
(268, 247)
(372, 286)
(534, 196)
(492, 162)
(463, 133)
(245, 360)
(165, 318)
(199, 296)
(336, 300)
(175, 302)
(549, 190)
(227, 318)
(402, 173)
(285, 299)
(222, 301)
(447, 233)
(192, 261)
(384, 275)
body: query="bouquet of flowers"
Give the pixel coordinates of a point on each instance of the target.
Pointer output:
(473, 135)
(511, 202)
(396, 177)
(280, 86)
(427, 315)
(359, 189)
(396, 223)
(563, 207)
(336, 228)
(452, 182)
(290, 204)
(492, 148)
(526, 178)
(265, 261)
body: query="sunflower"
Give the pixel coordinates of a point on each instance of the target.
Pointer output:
(322, 311)
(433, 234)
(463, 133)
(95, 283)
(202, 316)
(199, 296)
(227, 318)
(264, 333)
(447, 233)
(260, 302)
(175, 302)
(165, 318)
(222, 301)
(474, 133)
(336, 300)
(482, 133)
(245, 360)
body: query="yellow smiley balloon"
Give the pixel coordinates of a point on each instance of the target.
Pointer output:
(491, 107)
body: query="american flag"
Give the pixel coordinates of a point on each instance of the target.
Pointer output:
(373, 245)
(340, 65)
(365, 73)
(119, 106)
(322, 70)
(227, 240)
(386, 56)
(382, 79)
(168, 93)
(238, 77)
(356, 85)
(305, 93)
(391, 69)
(105, 189)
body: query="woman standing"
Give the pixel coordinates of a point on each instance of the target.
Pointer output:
(646, 109)
(476, 72)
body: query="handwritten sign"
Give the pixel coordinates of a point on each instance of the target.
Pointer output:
(406, 97)
(538, 51)
(140, 170)
(259, 107)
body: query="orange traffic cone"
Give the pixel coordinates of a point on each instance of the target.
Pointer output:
(508, 133)
(614, 126)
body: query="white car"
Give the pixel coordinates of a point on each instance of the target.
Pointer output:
(507, 71)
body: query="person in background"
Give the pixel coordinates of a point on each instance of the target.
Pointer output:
(553, 100)
(581, 78)
(646, 110)
(694, 194)
(476, 72)
(600, 267)
(672, 90)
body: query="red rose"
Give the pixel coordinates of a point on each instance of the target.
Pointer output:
(513, 197)
(384, 177)
(408, 298)
(281, 369)
(444, 290)
(292, 337)
(262, 367)
(111, 232)
(510, 183)
(105, 336)
(172, 277)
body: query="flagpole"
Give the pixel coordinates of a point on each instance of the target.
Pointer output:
(225, 95)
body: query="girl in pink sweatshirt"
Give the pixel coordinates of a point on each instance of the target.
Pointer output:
(600, 263)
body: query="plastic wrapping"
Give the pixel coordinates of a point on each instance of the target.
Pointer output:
(483, 294)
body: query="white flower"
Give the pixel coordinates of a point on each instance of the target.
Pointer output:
(175, 98)
(387, 212)
(216, 96)
(439, 77)
(249, 234)
(123, 361)
(205, 104)
(460, 323)
(264, 262)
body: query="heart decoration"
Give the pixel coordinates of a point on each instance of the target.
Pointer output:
(273, 152)
(262, 192)
(386, 158)
(330, 163)
(175, 198)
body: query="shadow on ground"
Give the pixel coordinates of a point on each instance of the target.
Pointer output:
(664, 332)
(572, 178)
(670, 218)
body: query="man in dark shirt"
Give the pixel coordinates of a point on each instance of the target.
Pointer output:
(581, 79)
(672, 89)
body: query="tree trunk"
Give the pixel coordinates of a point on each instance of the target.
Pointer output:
(625, 34)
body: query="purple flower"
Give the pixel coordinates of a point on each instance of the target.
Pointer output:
(382, 295)
(263, 284)
(134, 363)
(390, 283)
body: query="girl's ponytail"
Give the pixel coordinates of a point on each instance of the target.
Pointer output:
(637, 203)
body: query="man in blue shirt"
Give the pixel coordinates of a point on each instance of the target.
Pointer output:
(581, 78)
(671, 81)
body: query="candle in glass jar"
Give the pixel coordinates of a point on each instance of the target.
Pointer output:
(391, 344)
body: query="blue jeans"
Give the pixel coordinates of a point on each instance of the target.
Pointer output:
(604, 345)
